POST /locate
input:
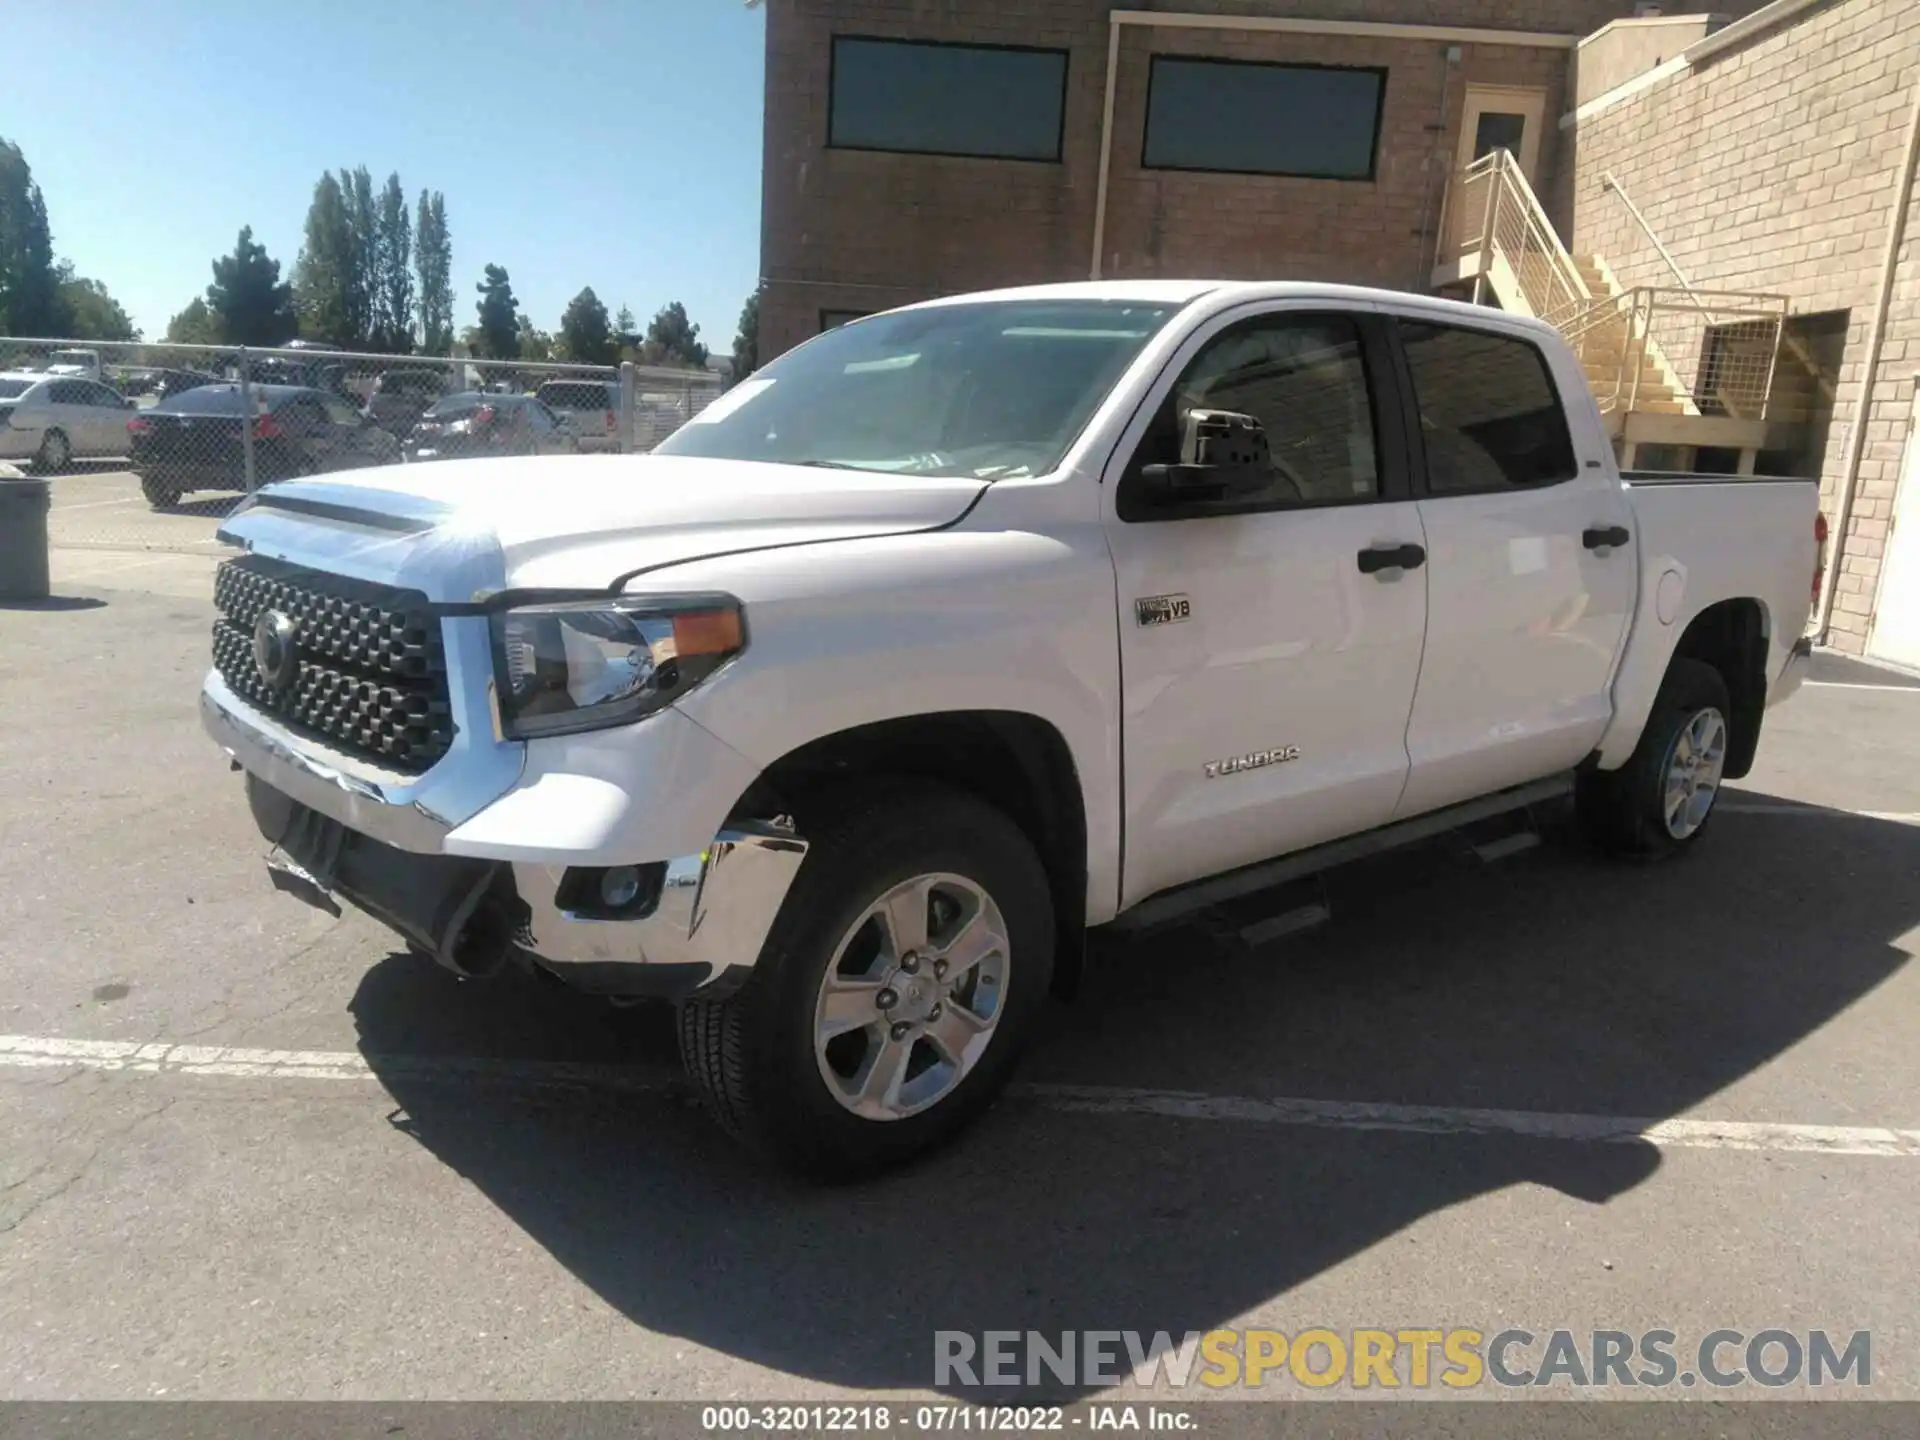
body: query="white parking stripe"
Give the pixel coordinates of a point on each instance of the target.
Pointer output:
(1818, 812)
(1850, 685)
(35, 1052)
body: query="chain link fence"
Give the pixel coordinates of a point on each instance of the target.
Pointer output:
(148, 442)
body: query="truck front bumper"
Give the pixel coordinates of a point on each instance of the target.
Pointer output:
(380, 841)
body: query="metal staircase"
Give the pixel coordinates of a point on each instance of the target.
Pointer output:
(1673, 367)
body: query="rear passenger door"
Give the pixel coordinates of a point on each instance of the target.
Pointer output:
(106, 423)
(1527, 602)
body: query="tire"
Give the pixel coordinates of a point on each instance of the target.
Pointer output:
(1628, 811)
(161, 494)
(55, 453)
(756, 1055)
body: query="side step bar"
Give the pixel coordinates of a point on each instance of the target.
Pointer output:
(1184, 899)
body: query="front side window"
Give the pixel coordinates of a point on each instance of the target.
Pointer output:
(1490, 418)
(1306, 120)
(991, 389)
(992, 102)
(1304, 378)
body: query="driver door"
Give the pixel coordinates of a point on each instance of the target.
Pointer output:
(1268, 666)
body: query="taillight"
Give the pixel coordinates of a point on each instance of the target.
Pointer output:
(1819, 553)
(612, 421)
(139, 425)
(267, 428)
(483, 417)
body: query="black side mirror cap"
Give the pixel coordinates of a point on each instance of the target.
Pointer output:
(1223, 456)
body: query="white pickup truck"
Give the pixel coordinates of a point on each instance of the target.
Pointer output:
(961, 629)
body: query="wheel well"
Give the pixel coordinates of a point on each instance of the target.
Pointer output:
(1015, 762)
(1731, 636)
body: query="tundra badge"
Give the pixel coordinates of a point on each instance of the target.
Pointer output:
(1278, 756)
(1162, 609)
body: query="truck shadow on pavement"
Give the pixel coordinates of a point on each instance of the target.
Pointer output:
(1551, 982)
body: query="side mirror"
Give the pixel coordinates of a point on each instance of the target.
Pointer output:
(1223, 456)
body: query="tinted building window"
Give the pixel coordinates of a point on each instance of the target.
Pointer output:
(947, 99)
(1262, 119)
(834, 319)
(1490, 418)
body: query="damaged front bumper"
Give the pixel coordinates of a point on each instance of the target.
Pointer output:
(695, 922)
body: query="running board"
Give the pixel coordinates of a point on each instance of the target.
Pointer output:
(1184, 899)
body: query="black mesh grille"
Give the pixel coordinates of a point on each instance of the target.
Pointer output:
(370, 677)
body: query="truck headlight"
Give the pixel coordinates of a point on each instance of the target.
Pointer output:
(587, 665)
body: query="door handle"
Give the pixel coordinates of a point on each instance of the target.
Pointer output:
(1605, 535)
(1376, 558)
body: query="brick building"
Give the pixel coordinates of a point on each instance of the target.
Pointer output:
(1701, 202)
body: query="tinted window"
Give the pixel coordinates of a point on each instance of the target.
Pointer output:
(574, 395)
(1304, 379)
(1262, 119)
(1490, 418)
(103, 395)
(206, 400)
(455, 405)
(947, 99)
(834, 319)
(989, 389)
(340, 412)
(67, 392)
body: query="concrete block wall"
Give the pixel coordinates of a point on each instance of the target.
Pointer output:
(1772, 168)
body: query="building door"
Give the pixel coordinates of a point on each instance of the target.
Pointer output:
(1896, 613)
(1497, 117)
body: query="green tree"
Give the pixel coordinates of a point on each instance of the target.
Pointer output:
(250, 305)
(29, 286)
(394, 332)
(625, 328)
(538, 344)
(195, 325)
(674, 340)
(586, 332)
(90, 312)
(746, 343)
(363, 284)
(323, 276)
(499, 315)
(433, 263)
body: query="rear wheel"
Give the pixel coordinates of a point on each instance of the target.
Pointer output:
(1660, 801)
(904, 975)
(54, 454)
(161, 494)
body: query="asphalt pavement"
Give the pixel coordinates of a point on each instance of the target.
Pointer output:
(249, 1151)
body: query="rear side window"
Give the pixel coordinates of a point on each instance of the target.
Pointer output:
(576, 396)
(1490, 418)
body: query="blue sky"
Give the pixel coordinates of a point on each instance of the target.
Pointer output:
(611, 143)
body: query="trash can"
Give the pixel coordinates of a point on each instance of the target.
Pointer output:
(23, 538)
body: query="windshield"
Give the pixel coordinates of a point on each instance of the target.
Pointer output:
(993, 390)
(462, 404)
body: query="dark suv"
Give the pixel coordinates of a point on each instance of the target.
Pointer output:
(471, 424)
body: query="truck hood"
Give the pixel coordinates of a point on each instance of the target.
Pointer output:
(462, 529)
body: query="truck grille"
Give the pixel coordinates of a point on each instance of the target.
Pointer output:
(369, 675)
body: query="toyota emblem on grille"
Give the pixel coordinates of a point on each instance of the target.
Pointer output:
(273, 649)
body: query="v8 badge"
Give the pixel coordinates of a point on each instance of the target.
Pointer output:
(1162, 609)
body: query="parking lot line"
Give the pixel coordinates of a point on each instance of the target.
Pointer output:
(1818, 812)
(64, 506)
(41, 1052)
(1850, 685)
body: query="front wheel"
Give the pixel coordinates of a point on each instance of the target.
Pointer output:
(1660, 801)
(903, 976)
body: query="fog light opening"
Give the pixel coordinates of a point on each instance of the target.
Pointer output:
(620, 886)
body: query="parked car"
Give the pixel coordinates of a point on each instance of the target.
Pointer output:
(195, 440)
(84, 363)
(326, 375)
(401, 397)
(590, 409)
(471, 424)
(49, 420)
(955, 632)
